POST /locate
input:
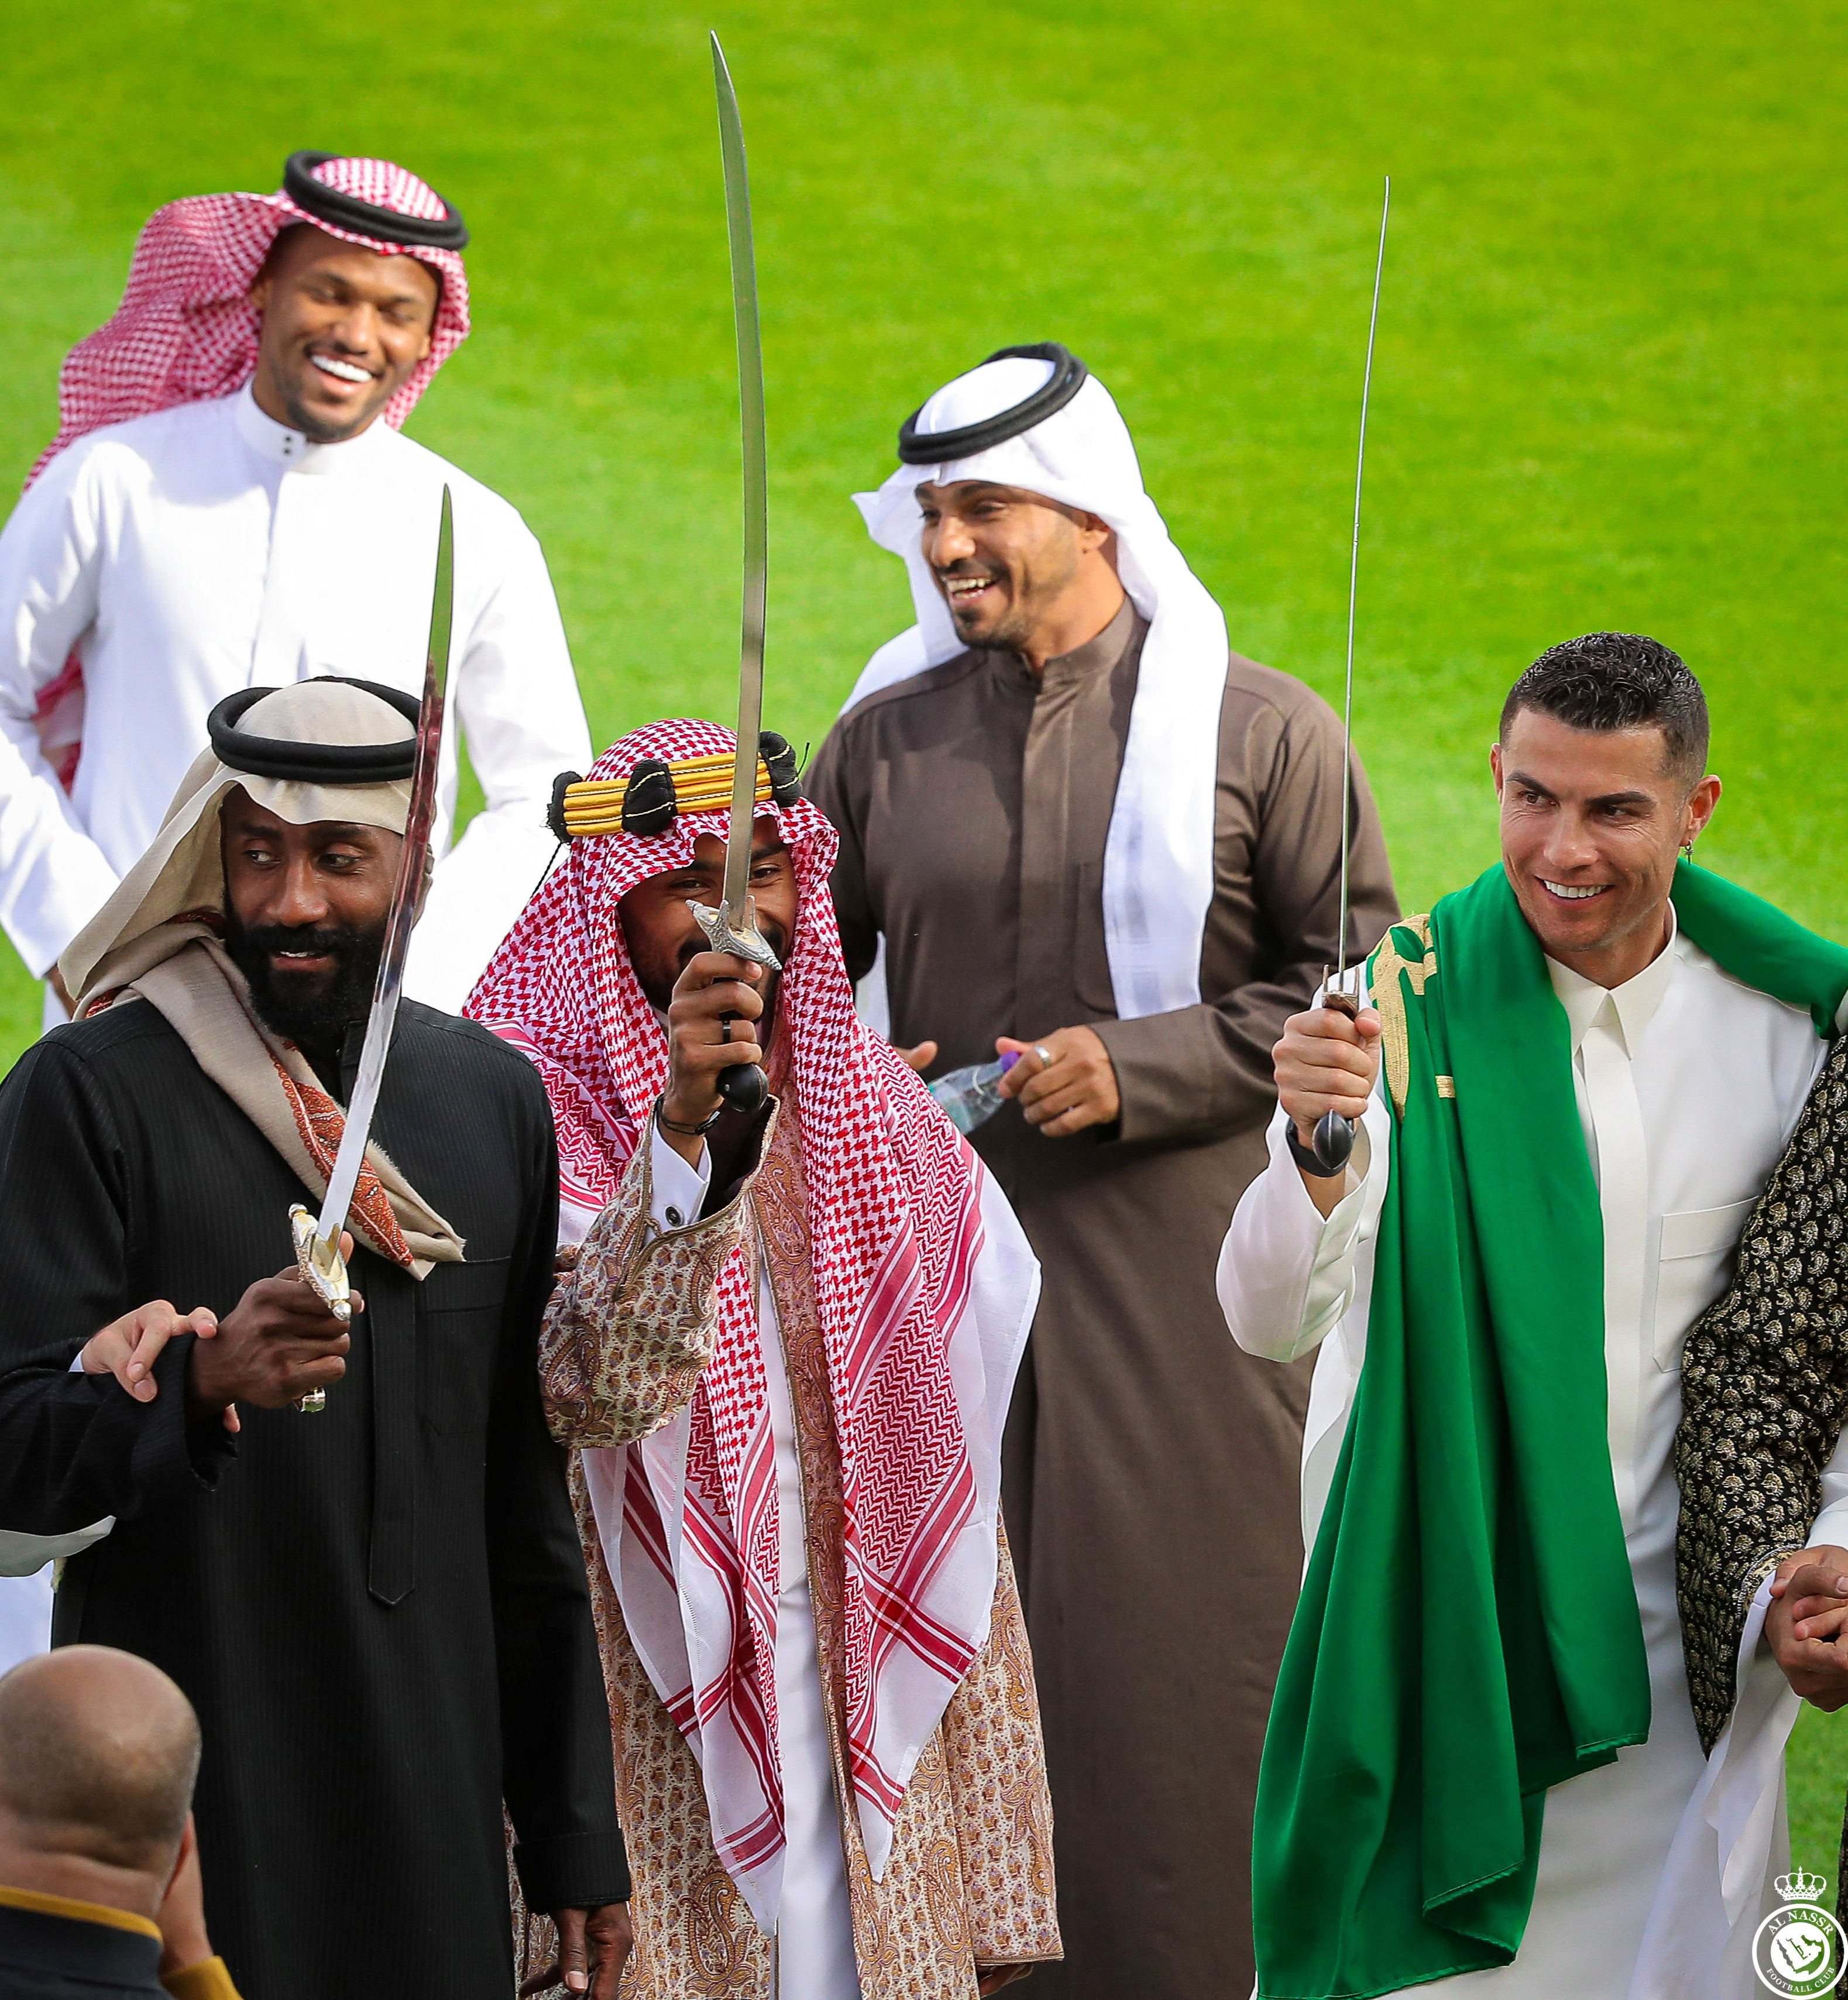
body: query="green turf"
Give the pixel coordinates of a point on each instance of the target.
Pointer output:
(1606, 391)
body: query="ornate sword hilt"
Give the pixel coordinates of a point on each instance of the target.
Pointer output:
(1333, 1140)
(745, 942)
(742, 1085)
(323, 1271)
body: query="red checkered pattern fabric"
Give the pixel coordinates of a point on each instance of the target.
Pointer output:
(895, 1220)
(185, 330)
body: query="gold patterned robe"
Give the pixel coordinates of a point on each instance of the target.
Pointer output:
(968, 1885)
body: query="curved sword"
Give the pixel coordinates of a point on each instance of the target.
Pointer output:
(732, 926)
(1334, 1134)
(317, 1240)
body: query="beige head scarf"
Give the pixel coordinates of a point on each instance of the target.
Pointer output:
(158, 938)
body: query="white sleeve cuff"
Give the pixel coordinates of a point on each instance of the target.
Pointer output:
(1287, 1275)
(679, 1190)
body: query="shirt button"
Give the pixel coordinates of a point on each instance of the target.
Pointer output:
(675, 1218)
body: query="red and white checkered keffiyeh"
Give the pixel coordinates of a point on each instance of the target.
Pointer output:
(925, 1287)
(186, 331)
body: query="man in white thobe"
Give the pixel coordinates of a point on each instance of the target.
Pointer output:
(1688, 1080)
(229, 503)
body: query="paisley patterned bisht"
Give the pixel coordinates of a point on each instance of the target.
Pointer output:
(1764, 1399)
(903, 1289)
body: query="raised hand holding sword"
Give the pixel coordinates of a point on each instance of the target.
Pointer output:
(1327, 1060)
(720, 998)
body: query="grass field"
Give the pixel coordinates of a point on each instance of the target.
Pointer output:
(1606, 394)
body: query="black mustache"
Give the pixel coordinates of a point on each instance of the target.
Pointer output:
(335, 941)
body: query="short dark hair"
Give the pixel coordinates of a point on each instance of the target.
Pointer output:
(1618, 680)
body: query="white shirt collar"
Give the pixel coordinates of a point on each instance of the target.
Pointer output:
(276, 444)
(1634, 1003)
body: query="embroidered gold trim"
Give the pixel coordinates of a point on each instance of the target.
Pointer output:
(1388, 998)
(1447, 1086)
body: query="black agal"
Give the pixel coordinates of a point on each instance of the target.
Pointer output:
(917, 447)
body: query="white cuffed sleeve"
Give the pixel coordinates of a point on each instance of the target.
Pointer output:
(54, 878)
(679, 1190)
(1286, 1274)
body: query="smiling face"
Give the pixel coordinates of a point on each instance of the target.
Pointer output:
(1591, 821)
(1018, 571)
(307, 906)
(344, 329)
(659, 929)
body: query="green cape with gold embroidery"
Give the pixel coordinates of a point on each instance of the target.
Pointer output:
(1467, 1634)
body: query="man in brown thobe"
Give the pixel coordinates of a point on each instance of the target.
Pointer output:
(1081, 831)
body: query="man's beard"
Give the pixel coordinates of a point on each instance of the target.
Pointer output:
(291, 390)
(1009, 632)
(315, 1020)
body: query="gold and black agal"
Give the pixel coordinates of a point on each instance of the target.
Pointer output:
(654, 794)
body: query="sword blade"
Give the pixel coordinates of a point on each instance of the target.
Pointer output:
(757, 496)
(1353, 581)
(406, 892)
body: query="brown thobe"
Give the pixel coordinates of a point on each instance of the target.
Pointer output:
(1152, 1477)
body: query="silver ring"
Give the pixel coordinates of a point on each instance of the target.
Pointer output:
(1045, 1055)
(725, 1028)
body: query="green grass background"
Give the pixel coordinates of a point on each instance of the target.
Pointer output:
(1607, 393)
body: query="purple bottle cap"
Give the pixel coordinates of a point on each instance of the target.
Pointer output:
(1009, 1060)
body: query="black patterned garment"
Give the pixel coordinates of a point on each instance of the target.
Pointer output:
(1764, 1397)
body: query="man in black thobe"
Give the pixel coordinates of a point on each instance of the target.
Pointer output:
(379, 1611)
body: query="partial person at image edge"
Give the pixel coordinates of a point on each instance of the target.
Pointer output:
(99, 1879)
(1594, 1057)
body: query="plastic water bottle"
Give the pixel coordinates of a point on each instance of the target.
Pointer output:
(971, 1096)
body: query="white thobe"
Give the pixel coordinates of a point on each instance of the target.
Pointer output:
(814, 1921)
(1652, 1870)
(206, 548)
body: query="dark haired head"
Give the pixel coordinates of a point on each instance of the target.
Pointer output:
(1619, 680)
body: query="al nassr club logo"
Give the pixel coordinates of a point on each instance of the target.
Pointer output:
(1799, 1948)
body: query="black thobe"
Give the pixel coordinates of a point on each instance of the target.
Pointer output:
(379, 1613)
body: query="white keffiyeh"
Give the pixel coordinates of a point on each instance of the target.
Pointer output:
(1158, 859)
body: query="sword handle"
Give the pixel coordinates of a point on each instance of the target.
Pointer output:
(742, 1085)
(324, 1272)
(1332, 1142)
(744, 1088)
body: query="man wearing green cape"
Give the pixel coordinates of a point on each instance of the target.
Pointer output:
(1575, 1077)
